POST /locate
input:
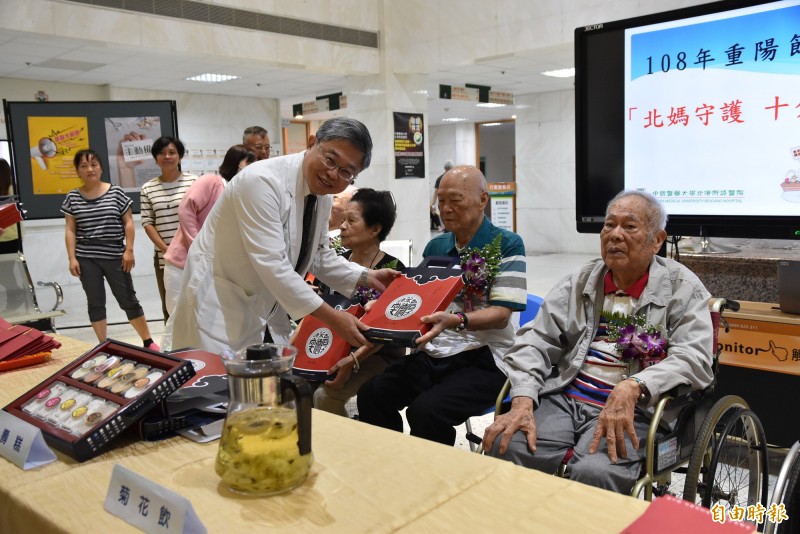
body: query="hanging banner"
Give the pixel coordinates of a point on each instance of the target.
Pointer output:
(409, 148)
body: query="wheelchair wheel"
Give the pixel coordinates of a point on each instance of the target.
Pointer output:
(729, 462)
(739, 464)
(791, 500)
(698, 476)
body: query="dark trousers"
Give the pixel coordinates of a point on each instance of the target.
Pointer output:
(440, 393)
(161, 288)
(92, 273)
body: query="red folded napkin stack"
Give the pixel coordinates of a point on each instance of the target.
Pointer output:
(10, 214)
(21, 346)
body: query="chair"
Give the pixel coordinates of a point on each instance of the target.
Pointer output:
(532, 306)
(18, 302)
(402, 249)
(713, 443)
(787, 491)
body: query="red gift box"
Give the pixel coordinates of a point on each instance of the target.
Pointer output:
(318, 346)
(9, 215)
(395, 317)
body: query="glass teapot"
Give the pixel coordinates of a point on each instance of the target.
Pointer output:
(266, 440)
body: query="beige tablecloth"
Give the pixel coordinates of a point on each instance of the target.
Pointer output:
(365, 479)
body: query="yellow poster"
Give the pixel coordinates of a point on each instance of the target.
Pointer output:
(54, 142)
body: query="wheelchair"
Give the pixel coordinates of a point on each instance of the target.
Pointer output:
(787, 491)
(718, 444)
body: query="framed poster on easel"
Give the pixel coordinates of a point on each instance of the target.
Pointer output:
(45, 136)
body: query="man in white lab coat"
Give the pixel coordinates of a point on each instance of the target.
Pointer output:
(244, 268)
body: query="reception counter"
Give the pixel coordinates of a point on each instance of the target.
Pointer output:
(364, 479)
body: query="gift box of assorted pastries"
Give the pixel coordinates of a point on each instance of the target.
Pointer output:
(84, 406)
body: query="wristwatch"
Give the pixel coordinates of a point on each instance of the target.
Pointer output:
(643, 392)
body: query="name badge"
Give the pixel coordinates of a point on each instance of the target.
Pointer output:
(22, 444)
(149, 506)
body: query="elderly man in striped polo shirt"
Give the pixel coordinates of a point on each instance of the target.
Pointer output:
(457, 371)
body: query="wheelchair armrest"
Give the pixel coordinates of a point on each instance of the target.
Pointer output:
(718, 305)
(59, 294)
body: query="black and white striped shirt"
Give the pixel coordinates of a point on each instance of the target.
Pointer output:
(99, 232)
(160, 201)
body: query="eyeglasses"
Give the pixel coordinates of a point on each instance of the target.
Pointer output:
(330, 163)
(259, 148)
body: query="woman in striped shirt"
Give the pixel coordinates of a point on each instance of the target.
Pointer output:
(160, 200)
(99, 239)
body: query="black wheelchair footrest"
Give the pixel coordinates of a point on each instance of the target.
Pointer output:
(472, 438)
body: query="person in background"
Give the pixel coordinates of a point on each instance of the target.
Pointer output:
(9, 237)
(192, 212)
(456, 372)
(270, 226)
(256, 139)
(368, 219)
(566, 366)
(160, 200)
(99, 237)
(338, 208)
(436, 222)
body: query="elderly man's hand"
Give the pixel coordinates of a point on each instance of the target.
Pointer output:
(441, 321)
(616, 420)
(519, 418)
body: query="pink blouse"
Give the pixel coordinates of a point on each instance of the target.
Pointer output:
(192, 212)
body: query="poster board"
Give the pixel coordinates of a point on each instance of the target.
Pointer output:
(45, 136)
(409, 145)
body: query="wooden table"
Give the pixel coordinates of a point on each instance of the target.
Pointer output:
(365, 479)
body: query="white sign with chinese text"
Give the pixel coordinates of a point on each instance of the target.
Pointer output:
(136, 150)
(149, 506)
(22, 444)
(503, 212)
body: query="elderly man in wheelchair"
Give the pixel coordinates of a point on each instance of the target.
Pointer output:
(609, 340)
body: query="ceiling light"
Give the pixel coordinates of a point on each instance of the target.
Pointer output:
(489, 105)
(454, 119)
(212, 78)
(561, 73)
(514, 117)
(491, 123)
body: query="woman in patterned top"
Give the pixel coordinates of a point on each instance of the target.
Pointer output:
(160, 200)
(368, 219)
(99, 239)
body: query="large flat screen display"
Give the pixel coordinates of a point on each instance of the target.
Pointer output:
(701, 108)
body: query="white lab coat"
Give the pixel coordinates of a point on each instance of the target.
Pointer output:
(240, 269)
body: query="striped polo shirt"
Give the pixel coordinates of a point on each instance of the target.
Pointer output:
(508, 289)
(160, 201)
(99, 233)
